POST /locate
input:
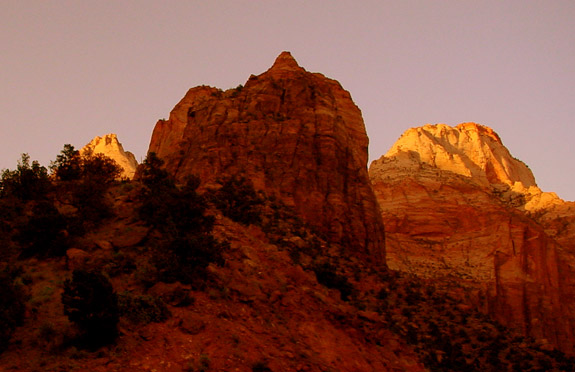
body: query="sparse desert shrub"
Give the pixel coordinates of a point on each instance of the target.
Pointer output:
(261, 366)
(90, 302)
(44, 233)
(120, 263)
(186, 259)
(327, 275)
(12, 306)
(238, 200)
(142, 309)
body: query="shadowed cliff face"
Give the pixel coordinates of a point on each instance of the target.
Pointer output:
(297, 135)
(453, 203)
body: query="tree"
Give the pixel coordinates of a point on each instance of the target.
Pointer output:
(44, 233)
(67, 165)
(86, 179)
(187, 246)
(90, 302)
(238, 200)
(12, 306)
(26, 182)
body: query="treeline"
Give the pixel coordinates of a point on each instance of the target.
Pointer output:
(45, 211)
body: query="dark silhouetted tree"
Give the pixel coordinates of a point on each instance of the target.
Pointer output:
(238, 200)
(90, 302)
(26, 182)
(44, 233)
(86, 180)
(187, 246)
(12, 306)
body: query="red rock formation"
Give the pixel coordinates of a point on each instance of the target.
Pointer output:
(295, 134)
(452, 203)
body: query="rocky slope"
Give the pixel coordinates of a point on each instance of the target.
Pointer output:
(112, 148)
(458, 206)
(295, 134)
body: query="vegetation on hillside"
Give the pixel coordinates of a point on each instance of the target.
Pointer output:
(108, 291)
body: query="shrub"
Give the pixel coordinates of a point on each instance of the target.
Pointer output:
(90, 302)
(94, 168)
(186, 247)
(238, 200)
(67, 165)
(168, 208)
(12, 306)
(187, 258)
(261, 366)
(142, 309)
(44, 233)
(326, 275)
(86, 178)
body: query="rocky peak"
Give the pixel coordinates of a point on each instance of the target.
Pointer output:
(112, 148)
(285, 62)
(296, 135)
(446, 196)
(469, 149)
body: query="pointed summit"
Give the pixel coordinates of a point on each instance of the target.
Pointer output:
(285, 62)
(469, 149)
(112, 148)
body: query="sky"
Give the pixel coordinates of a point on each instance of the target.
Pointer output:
(73, 70)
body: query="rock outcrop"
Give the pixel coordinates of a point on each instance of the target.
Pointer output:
(295, 134)
(112, 148)
(456, 206)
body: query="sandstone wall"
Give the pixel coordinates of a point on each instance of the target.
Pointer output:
(295, 134)
(449, 221)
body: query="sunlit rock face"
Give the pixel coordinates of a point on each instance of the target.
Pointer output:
(112, 148)
(468, 149)
(297, 135)
(453, 203)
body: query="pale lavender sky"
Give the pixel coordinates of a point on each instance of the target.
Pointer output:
(72, 70)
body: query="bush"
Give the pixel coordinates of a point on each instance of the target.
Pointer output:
(261, 366)
(86, 179)
(187, 258)
(238, 200)
(326, 275)
(12, 306)
(26, 182)
(94, 168)
(186, 247)
(142, 309)
(172, 210)
(67, 165)
(90, 302)
(44, 233)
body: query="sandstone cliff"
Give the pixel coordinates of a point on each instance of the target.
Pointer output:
(112, 148)
(454, 203)
(295, 134)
